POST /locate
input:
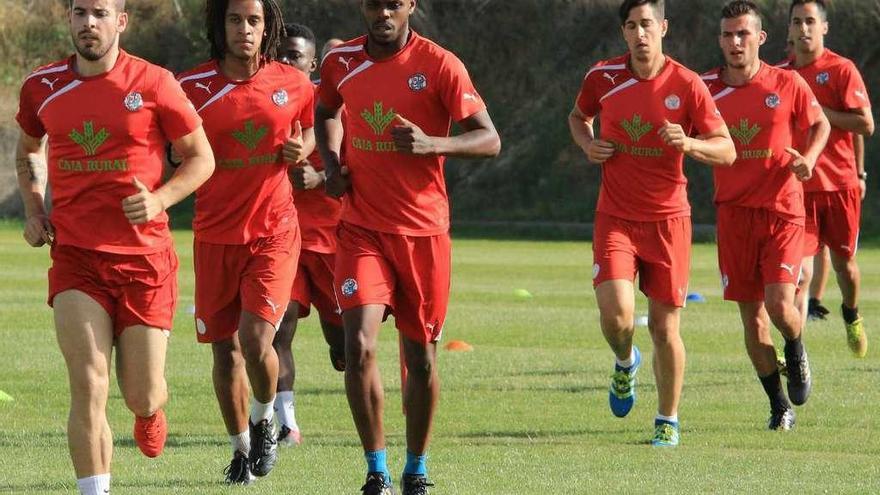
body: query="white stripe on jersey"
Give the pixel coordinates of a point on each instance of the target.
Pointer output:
(709, 77)
(620, 88)
(360, 68)
(60, 68)
(605, 67)
(783, 65)
(229, 87)
(342, 49)
(721, 94)
(60, 92)
(201, 75)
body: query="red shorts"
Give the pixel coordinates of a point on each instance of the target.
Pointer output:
(231, 278)
(833, 220)
(408, 274)
(659, 252)
(313, 286)
(134, 289)
(756, 248)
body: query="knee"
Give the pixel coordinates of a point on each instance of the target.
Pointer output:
(89, 388)
(255, 346)
(850, 269)
(420, 367)
(226, 359)
(663, 333)
(617, 321)
(359, 353)
(145, 403)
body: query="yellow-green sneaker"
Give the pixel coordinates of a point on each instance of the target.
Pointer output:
(666, 434)
(856, 338)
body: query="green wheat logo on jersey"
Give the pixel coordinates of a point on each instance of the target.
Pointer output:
(378, 120)
(250, 137)
(636, 128)
(89, 141)
(743, 133)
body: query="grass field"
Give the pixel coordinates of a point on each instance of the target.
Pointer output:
(525, 412)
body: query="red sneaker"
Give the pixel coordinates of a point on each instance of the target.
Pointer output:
(150, 433)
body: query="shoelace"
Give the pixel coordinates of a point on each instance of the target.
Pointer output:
(621, 384)
(264, 437)
(236, 476)
(374, 485)
(419, 486)
(664, 433)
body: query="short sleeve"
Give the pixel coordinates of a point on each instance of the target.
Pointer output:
(704, 114)
(306, 115)
(177, 116)
(27, 116)
(806, 107)
(457, 91)
(588, 97)
(328, 96)
(852, 89)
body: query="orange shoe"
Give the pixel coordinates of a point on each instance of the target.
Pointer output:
(150, 433)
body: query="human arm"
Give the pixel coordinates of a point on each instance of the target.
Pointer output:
(31, 171)
(714, 148)
(581, 128)
(196, 168)
(479, 139)
(858, 120)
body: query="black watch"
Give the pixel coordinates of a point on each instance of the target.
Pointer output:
(863, 175)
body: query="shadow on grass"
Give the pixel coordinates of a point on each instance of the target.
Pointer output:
(179, 441)
(538, 435)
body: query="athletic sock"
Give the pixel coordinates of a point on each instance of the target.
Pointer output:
(849, 314)
(98, 484)
(260, 411)
(416, 464)
(241, 442)
(628, 362)
(794, 347)
(772, 384)
(377, 462)
(667, 419)
(285, 409)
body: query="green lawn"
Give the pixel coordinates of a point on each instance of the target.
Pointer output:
(525, 412)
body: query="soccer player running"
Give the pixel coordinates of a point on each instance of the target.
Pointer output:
(400, 93)
(648, 106)
(318, 216)
(113, 282)
(246, 235)
(760, 200)
(833, 196)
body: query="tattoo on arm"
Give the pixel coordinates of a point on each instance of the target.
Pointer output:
(33, 168)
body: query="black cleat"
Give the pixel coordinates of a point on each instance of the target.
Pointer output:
(376, 484)
(263, 448)
(799, 380)
(415, 484)
(337, 359)
(782, 420)
(238, 472)
(815, 310)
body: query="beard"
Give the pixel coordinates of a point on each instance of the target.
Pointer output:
(93, 53)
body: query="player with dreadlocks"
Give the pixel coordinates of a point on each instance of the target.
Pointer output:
(258, 116)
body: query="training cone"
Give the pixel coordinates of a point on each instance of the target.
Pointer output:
(4, 397)
(522, 294)
(458, 346)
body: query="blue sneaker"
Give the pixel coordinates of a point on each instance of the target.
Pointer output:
(666, 434)
(622, 394)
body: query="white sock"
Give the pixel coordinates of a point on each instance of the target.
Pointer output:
(629, 362)
(671, 419)
(285, 409)
(98, 484)
(241, 442)
(260, 411)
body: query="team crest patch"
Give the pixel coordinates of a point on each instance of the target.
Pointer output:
(417, 82)
(672, 102)
(133, 102)
(596, 269)
(724, 281)
(279, 97)
(349, 287)
(772, 100)
(823, 78)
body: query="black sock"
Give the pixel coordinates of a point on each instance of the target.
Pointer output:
(773, 388)
(849, 314)
(812, 303)
(793, 348)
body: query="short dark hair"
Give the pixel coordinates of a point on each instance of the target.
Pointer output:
(821, 4)
(120, 5)
(296, 30)
(215, 28)
(739, 8)
(659, 7)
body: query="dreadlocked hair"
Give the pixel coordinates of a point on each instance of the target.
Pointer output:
(215, 28)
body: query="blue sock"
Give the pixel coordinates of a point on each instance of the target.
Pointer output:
(377, 463)
(416, 464)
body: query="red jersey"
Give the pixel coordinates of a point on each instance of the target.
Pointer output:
(102, 132)
(764, 116)
(394, 192)
(837, 84)
(247, 123)
(643, 180)
(318, 213)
